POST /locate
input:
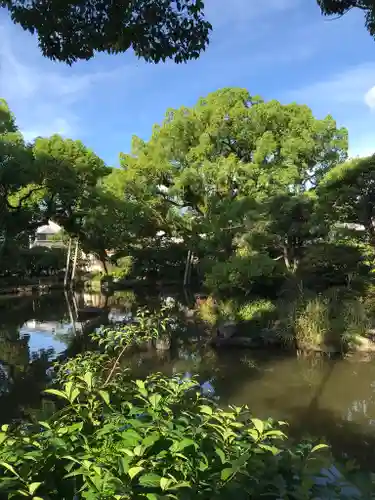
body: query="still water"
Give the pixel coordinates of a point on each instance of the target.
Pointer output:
(326, 398)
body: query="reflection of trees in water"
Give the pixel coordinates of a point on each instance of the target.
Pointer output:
(24, 386)
(24, 373)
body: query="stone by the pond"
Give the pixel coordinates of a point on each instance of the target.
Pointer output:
(227, 329)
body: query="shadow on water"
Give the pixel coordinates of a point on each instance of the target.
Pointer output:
(327, 398)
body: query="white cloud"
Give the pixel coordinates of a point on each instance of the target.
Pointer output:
(370, 97)
(347, 87)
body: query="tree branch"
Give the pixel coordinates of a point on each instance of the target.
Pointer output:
(23, 198)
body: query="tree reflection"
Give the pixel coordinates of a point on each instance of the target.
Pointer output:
(23, 374)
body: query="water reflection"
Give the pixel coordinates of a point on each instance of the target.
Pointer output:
(325, 398)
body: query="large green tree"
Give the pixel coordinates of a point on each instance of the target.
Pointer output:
(223, 160)
(72, 175)
(21, 178)
(69, 30)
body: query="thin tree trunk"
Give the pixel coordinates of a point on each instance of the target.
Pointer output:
(67, 267)
(74, 263)
(186, 273)
(104, 265)
(70, 312)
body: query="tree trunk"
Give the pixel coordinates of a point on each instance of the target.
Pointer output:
(103, 260)
(187, 267)
(74, 263)
(68, 263)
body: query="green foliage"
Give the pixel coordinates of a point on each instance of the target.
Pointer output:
(327, 265)
(155, 30)
(122, 438)
(207, 311)
(242, 273)
(150, 439)
(312, 323)
(32, 262)
(255, 309)
(341, 7)
(334, 319)
(348, 192)
(123, 268)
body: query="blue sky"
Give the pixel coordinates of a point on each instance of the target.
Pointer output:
(280, 49)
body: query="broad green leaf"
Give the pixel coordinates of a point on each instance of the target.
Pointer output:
(45, 424)
(272, 449)
(150, 479)
(258, 424)
(33, 487)
(134, 471)
(207, 410)
(130, 437)
(74, 394)
(140, 384)
(3, 437)
(150, 439)
(274, 433)
(165, 483)
(23, 493)
(220, 454)
(319, 447)
(181, 445)
(226, 473)
(55, 392)
(124, 464)
(155, 400)
(88, 379)
(9, 467)
(68, 388)
(105, 397)
(138, 450)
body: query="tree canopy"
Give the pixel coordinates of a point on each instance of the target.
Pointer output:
(244, 191)
(341, 7)
(70, 30)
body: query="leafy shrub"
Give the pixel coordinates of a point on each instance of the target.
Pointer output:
(327, 265)
(123, 268)
(253, 310)
(241, 273)
(116, 438)
(207, 311)
(158, 438)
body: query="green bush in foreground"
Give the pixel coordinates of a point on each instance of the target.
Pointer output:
(151, 439)
(116, 438)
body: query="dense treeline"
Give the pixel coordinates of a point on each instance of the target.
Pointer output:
(249, 194)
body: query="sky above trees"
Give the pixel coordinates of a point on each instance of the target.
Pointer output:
(280, 49)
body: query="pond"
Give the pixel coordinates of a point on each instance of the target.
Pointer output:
(321, 397)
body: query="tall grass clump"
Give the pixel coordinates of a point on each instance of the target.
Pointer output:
(331, 319)
(312, 323)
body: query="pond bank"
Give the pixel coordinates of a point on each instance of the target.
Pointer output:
(29, 288)
(230, 334)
